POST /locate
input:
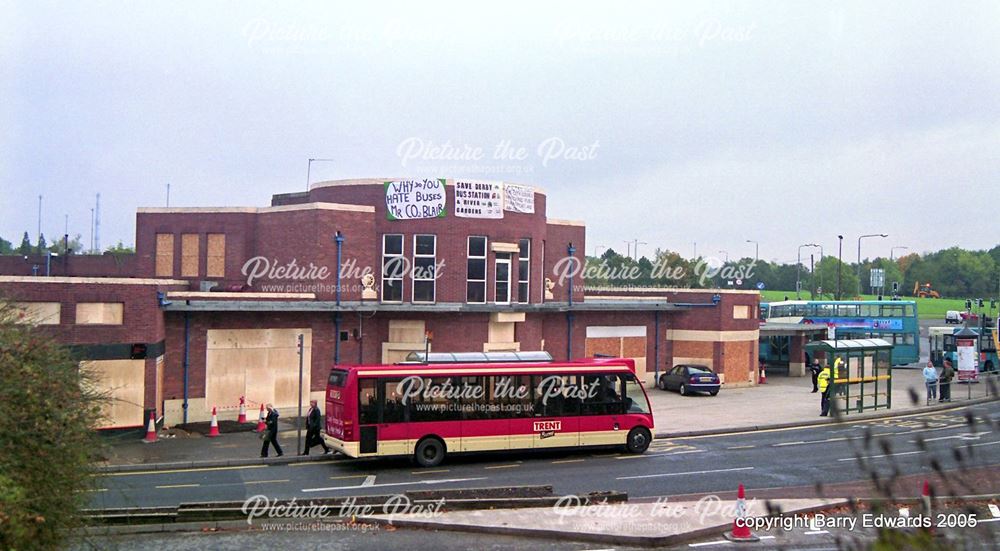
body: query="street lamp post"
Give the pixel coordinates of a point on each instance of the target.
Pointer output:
(756, 249)
(309, 168)
(798, 270)
(840, 262)
(859, 255)
(892, 250)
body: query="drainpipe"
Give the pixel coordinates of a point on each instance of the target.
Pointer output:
(656, 346)
(187, 360)
(339, 238)
(569, 312)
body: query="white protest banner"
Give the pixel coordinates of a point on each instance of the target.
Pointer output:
(478, 199)
(519, 198)
(414, 199)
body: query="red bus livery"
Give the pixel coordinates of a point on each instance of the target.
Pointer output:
(428, 410)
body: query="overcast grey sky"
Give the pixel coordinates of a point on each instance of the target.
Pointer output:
(782, 122)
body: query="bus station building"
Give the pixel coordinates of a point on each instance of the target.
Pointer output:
(210, 306)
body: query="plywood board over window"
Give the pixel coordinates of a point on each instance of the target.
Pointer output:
(260, 364)
(189, 255)
(100, 313)
(164, 255)
(216, 255)
(123, 383)
(741, 312)
(37, 313)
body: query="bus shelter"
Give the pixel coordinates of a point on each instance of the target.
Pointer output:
(862, 373)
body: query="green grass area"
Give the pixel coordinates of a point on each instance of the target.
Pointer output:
(927, 308)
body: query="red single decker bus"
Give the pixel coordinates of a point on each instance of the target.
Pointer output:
(428, 409)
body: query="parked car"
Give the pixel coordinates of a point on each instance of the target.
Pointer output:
(690, 378)
(953, 316)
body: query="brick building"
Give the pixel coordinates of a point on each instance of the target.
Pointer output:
(211, 305)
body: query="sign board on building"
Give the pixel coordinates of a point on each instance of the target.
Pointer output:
(414, 199)
(519, 198)
(478, 199)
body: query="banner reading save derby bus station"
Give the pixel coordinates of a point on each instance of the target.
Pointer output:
(414, 199)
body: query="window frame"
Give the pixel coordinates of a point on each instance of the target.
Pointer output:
(486, 271)
(414, 269)
(401, 278)
(525, 278)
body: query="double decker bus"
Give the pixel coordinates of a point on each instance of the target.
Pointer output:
(894, 321)
(428, 410)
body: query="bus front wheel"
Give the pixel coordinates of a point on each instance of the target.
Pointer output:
(638, 440)
(429, 452)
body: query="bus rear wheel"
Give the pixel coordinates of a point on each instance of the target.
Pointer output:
(429, 452)
(638, 440)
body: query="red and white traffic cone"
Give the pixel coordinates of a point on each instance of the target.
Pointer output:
(741, 531)
(243, 411)
(925, 498)
(213, 428)
(261, 425)
(763, 375)
(150, 430)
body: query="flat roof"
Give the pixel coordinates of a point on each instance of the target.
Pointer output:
(773, 329)
(441, 307)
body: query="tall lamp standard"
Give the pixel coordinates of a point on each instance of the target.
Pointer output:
(309, 166)
(859, 255)
(798, 270)
(892, 250)
(840, 262)
(756, 249)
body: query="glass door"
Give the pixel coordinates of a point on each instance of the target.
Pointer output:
(503, 279)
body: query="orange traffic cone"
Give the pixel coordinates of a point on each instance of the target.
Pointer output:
(763, 375)
(150, 430)
(213, 428)
(741, 531)
(243, 411)
(261, 426)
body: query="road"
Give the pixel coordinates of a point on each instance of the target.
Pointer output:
(786, 458)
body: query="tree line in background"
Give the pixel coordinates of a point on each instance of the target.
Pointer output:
(953, 272)
(60, 246)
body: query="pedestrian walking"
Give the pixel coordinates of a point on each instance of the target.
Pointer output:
(824, 389)
(931, 381)
(947, 374)
(314, 424)
(270, 434)
(814, 369)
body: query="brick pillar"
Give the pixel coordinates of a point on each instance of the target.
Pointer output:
(796, 357)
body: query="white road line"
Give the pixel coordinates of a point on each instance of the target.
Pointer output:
(839, 439)
(369, 481)
(703, 544)
(814, 532)
(765, 537)
(741, 447)
(415, 482)
(879, 456)
(682, 474)
(963, 436)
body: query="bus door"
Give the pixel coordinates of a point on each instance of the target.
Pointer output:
(392, 431)
(554, 420)
(368, 416)
(603, 420)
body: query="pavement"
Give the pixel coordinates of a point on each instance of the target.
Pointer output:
(782, 402)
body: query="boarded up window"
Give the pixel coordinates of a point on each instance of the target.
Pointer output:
(123, 382)
(216, 255)
(38, 313)
(189, 255)
(741, 312)
(99, 313)
(164, 255)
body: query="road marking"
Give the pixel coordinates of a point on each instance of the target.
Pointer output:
(501, 466)
(308, 463)
(430, 472)
(369, 481)
(879, 456)
(685, 451)
(97, 490)
(747, 447)
(411, 483)
(703, 544)
(837, 439)
(787, 444)
(194, 470)
(265, 481)
(985, 444)
(349, 476)
(765, 537)
(963, 436)
(682, 474)
(166, 486)
(814, 532)
(633, 456)
(568, 461)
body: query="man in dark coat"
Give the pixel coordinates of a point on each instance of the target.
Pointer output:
(271, 433)
(314, 424)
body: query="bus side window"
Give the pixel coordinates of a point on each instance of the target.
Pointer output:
(367, 402)
(393, 410)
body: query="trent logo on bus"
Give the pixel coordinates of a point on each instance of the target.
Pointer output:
(545, 426)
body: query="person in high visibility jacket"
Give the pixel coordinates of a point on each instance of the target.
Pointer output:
(824, 388)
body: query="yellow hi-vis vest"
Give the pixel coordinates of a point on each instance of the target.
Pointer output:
(824, 379)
